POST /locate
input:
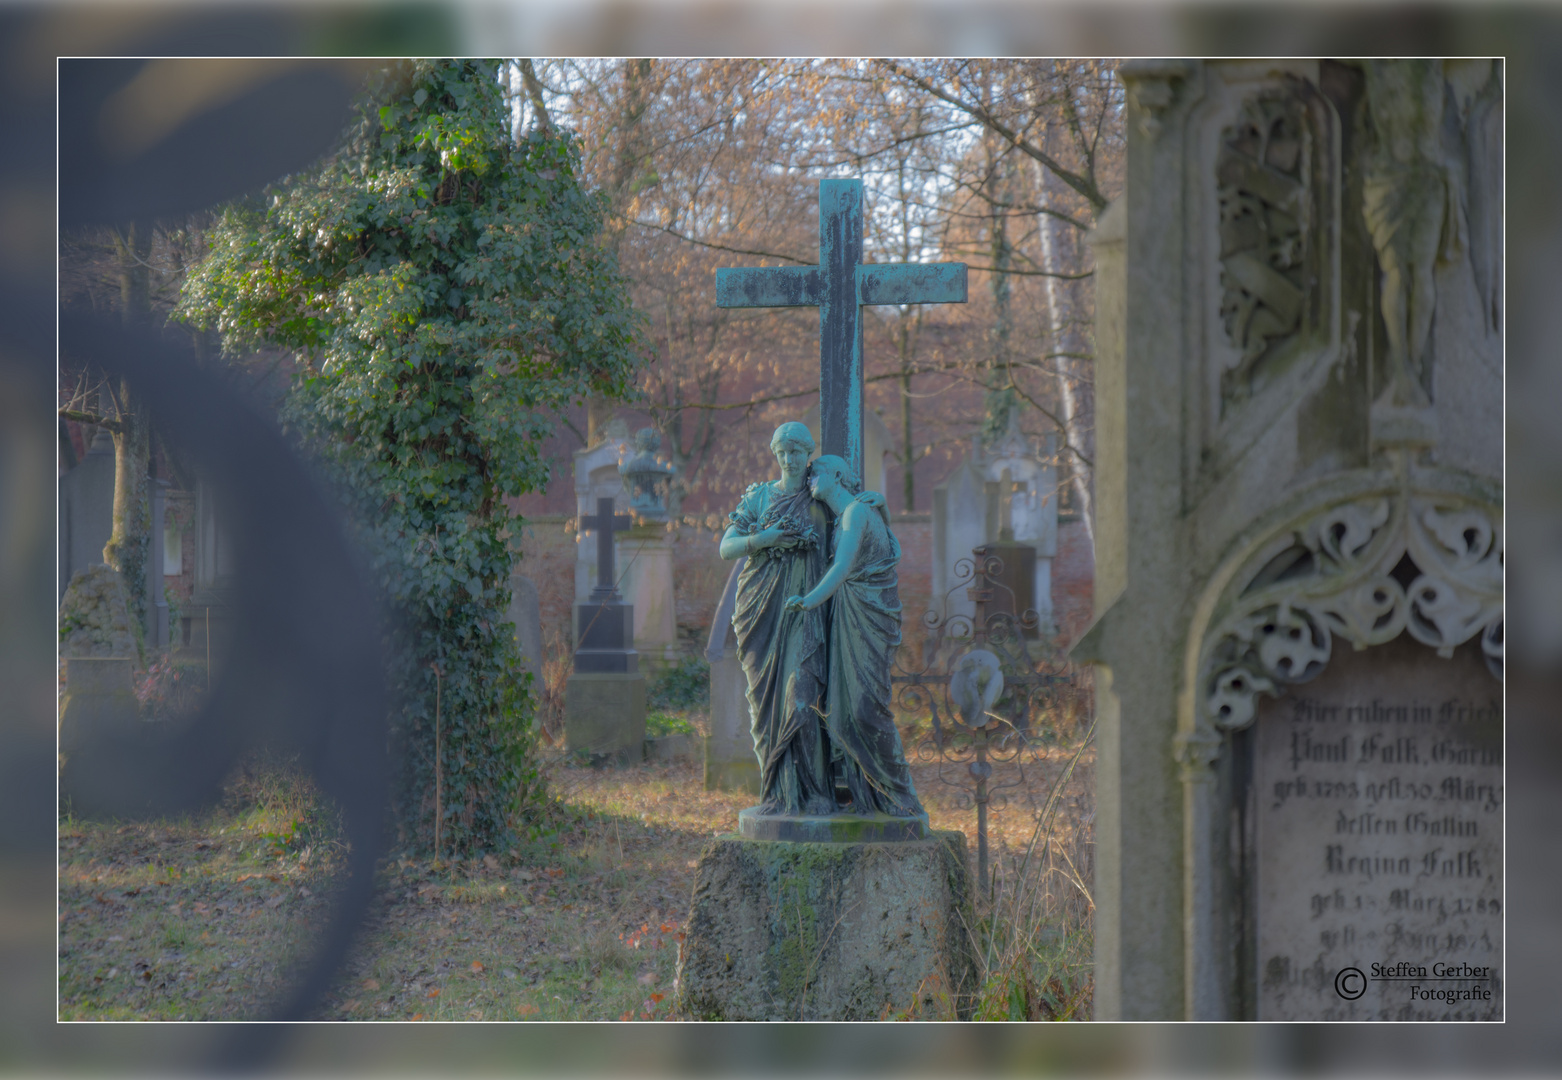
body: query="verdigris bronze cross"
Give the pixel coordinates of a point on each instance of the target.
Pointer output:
(605, 523)
(838, 287)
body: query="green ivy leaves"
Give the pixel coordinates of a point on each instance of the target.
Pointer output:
(451, 285)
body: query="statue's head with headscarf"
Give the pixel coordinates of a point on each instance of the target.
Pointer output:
(793, 433)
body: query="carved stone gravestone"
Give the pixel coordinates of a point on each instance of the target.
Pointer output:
(525, 614)
(645, 554)
(86, 509)
(597, 477)
(1298, 492)
(1004, 494)
(98, 645)
(730, 763)
(1377, 801)
(604, 699)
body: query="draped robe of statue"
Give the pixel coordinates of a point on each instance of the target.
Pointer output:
(783, 654)
(863, 633)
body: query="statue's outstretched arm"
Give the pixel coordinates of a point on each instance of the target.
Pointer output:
(853, 523)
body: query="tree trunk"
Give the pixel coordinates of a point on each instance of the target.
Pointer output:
(1073, 428)
(1000, 394)
(128, 545)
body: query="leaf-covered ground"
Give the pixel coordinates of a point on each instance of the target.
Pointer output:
(203, 918)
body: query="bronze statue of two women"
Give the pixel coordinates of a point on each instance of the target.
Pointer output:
(818, 621)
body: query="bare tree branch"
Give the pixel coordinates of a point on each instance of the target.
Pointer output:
(1082, 184)
(93, 418)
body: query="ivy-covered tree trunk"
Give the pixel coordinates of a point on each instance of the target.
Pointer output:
(128, 546)
(449, 293)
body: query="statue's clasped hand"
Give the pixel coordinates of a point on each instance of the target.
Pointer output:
(794, 603)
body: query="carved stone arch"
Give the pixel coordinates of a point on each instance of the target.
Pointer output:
(1362, 558)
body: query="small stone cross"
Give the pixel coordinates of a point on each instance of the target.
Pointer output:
(605, 523)
(838, 287)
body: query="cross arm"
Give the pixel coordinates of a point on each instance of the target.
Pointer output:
(911, 283)
(768, 286)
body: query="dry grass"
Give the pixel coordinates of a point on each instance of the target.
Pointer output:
(201, 918)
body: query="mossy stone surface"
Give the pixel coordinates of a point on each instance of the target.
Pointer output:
(828, 931)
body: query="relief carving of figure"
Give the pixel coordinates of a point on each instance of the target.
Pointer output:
(1413, 202)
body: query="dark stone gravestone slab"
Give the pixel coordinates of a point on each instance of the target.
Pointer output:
(1379, 813)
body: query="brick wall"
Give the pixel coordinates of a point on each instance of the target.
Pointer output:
(547, 549)
(1073, 580)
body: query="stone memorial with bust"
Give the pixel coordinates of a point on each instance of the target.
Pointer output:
(833, 900)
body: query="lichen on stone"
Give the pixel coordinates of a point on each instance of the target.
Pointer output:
(94, 618)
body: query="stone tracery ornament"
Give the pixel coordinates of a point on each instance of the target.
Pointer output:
(1264, 171)
(1364, 571)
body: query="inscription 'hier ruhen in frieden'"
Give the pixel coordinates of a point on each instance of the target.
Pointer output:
(1378, 796)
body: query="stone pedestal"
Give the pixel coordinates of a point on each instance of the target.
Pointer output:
(645, 560)
(98, 704)
(604, 715)
(831, 828)
(788, 931)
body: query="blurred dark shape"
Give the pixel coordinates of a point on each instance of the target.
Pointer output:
(302, 671)
(161, 138)
(142, 140)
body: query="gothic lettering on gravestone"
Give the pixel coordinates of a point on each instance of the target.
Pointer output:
(839, 287)
(1378, 797)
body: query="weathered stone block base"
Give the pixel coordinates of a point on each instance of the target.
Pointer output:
(794, 931)
(604, 716)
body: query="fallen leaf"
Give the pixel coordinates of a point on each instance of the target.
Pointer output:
(417, 1016)
(275, 901)
(657, 997)
(304, 890)
(477, 966)
(648, 979)
(554, 871)
(349, 1005)
(434, 993)
(371, 984)
(490, 862)
(526, 1008)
